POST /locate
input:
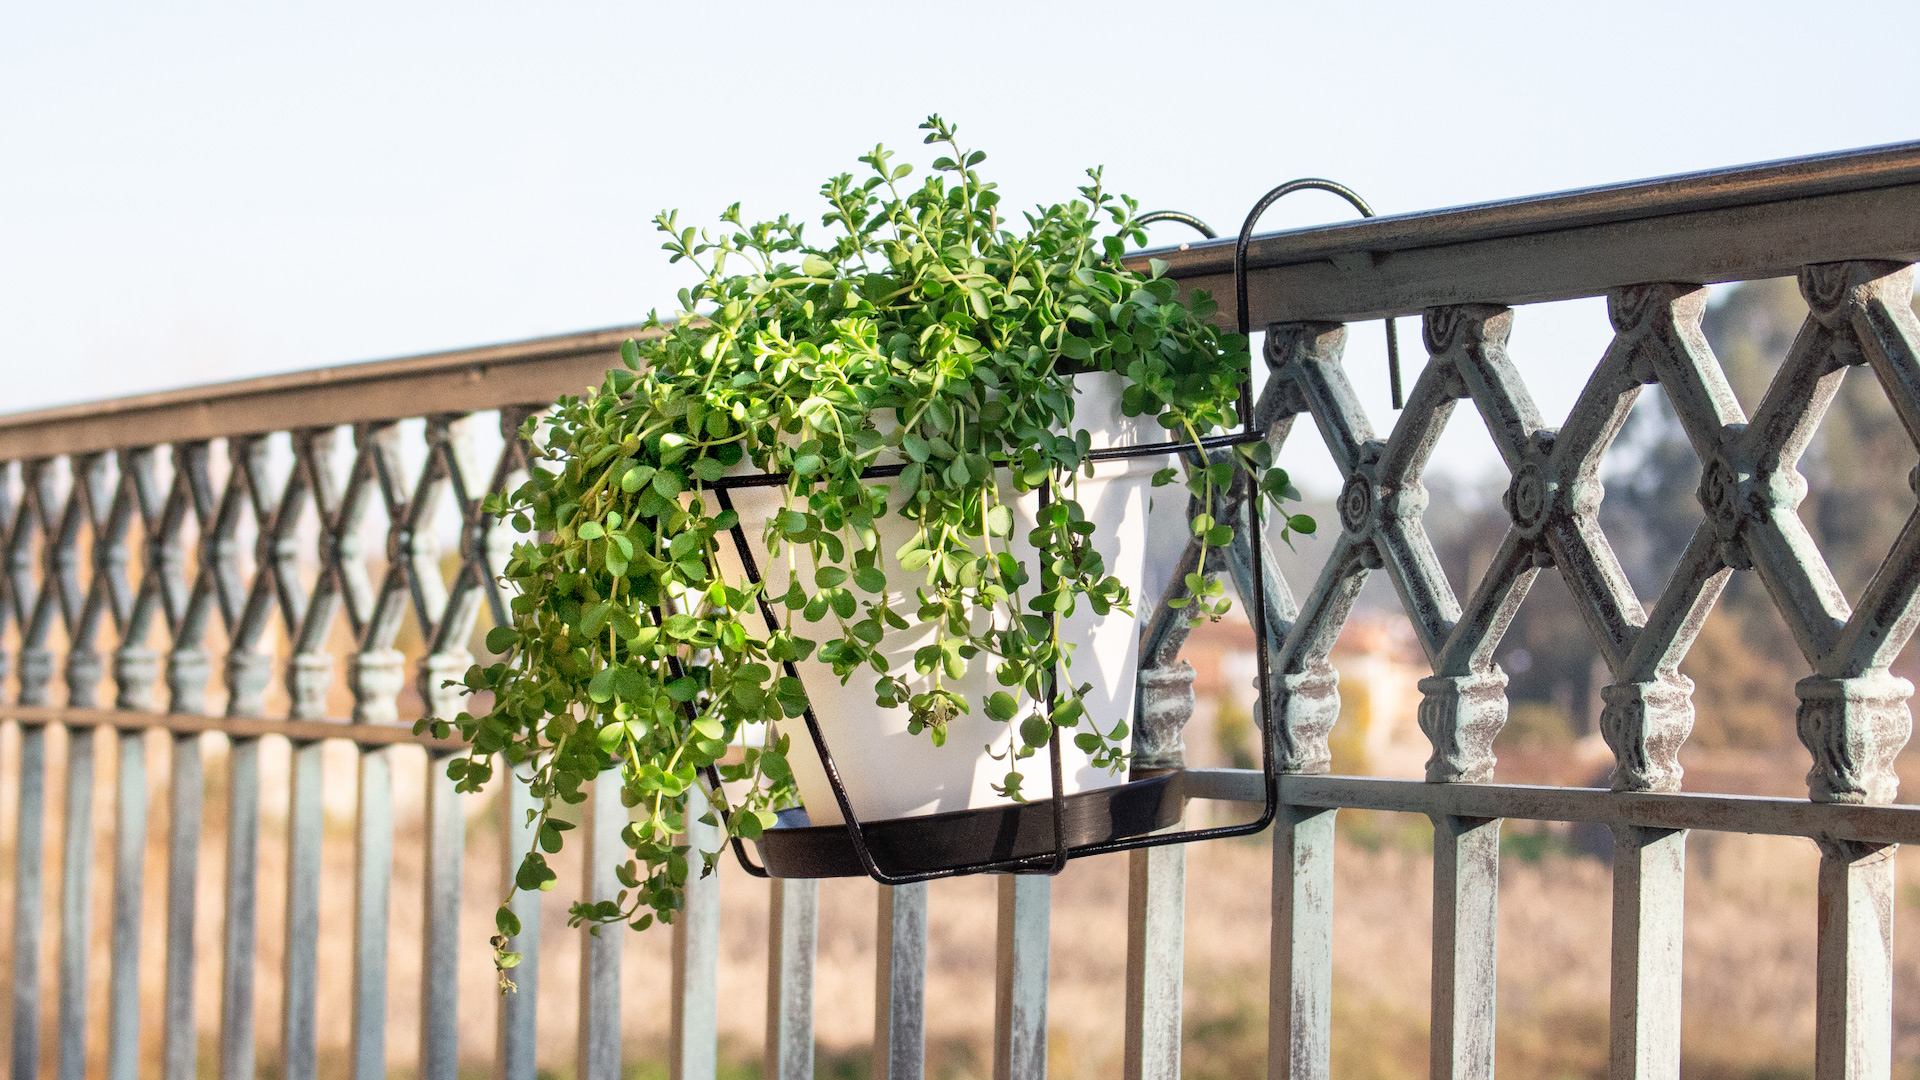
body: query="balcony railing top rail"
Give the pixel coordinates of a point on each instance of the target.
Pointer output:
(458, 380)
(1733, 224)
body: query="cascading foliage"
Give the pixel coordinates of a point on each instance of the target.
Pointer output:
(923, 329)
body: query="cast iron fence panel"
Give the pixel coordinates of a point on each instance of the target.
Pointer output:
(105, 552)
(1853, 714)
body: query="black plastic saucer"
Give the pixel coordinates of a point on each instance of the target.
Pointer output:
(935, 842)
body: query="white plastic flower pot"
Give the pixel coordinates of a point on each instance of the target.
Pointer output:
(891, 773)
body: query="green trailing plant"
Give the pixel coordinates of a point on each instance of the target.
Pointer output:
(924, 329)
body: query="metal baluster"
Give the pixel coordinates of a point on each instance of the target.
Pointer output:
(1156, 943)
(440, 958)
(93, 501)
(107, 509)
(29, 900)
(76, 904)
(185, 795)
(792, 936)
(1157, 877)
(600, 952)
(1649, 906)
(377, 671)
(519, 1009)
(1466, 890)
(1853, 1011)
(1300, 1024)
(900, 984)
(129, 867)
(188, 608)
(1020, 999)
(300, 979)
(448, 613)
(446, 628)
(693, 1053)
(248, 609)
(16, 600)
(136, 670)
(309, 672)
(309, 676)
(372, 880)
(242, 910)
(1854, 715)
(59, 594)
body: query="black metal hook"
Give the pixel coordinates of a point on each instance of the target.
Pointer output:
(1308, 183)
(1180, 216)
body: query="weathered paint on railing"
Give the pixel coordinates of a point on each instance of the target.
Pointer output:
(900, 983)
(76, 907)
(129, 872)
(1020, 996)
(179, 1036)
(29, 866)
(372, 885)
(1156, 946)
(792, 946)
(1300, 1000)
(238, 936)
(441, 942)
(1845, 223)
(1649, 906)
(300, 959)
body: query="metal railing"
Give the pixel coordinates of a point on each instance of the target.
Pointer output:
(249, 567)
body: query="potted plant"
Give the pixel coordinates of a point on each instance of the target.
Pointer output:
(936, 536)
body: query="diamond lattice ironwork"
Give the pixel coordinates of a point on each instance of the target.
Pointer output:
(192, 568)
(1853, 713)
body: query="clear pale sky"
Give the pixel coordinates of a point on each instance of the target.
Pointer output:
(194, 192)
